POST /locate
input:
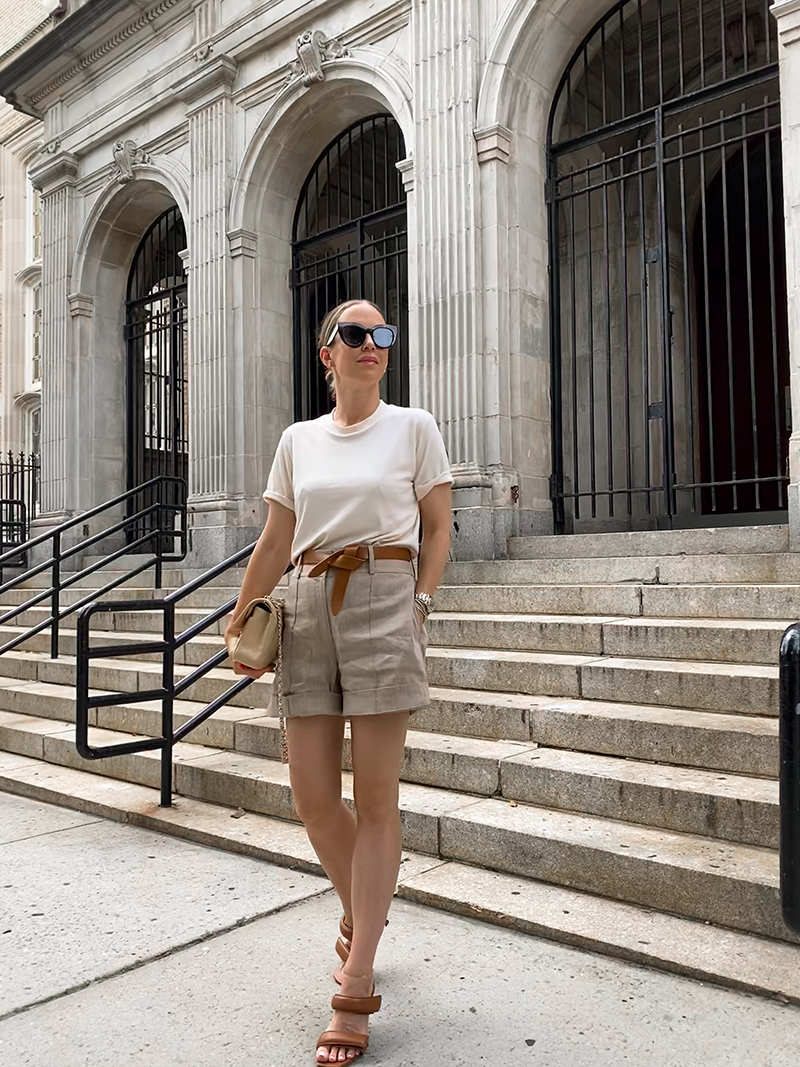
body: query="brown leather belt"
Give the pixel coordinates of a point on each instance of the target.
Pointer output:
(345, 562)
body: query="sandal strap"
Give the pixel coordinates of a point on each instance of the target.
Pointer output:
(345, 930)
(356, 1005)
(344, 1038)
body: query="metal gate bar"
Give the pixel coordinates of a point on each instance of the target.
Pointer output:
(350, 241)
(657, 357)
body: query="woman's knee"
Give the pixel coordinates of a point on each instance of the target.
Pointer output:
(314, 806)
(377, 808)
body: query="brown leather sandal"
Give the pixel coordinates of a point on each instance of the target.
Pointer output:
(346, 1038)
(344, 941)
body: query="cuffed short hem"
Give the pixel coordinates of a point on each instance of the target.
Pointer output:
(365, 702)
(411, 697)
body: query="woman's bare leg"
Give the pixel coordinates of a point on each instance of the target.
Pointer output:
(315, 770)
(378, 742)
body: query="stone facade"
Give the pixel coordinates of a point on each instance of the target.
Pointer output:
(222, 107)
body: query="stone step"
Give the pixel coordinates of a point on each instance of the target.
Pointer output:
(746, 569)
(751, 689)
(172, 577)
(204, 598)
(626, 600)
(195, 652)
(739, 744)
(748, 688)
(710, 640)
(736, 808)
(731, 884)
(626, 931)
(711, 541)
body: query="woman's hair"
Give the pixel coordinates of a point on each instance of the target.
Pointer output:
(333, 318)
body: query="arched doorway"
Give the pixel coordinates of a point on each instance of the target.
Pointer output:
(350, 241)
(157, 354)
(669, 334)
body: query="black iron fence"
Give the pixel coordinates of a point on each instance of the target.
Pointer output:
(19, 498)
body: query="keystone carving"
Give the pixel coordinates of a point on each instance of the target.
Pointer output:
(127, 156)
(313, 49)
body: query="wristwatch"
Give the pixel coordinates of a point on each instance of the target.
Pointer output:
(425, 603)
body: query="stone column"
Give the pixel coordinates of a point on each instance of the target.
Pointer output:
(55, 177)
(456, 377)
(215, 490)
(787, 12)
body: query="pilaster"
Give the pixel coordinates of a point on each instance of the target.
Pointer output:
(214, 482)
(456, 381)
(55, 177)
(787, 14)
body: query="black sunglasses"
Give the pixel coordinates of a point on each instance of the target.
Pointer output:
(354, 334)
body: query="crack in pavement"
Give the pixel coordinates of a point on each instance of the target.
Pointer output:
(165, 954)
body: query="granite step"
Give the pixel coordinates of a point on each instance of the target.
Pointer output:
(748, 688)
(734, 885)
(710, 541)
(700, 601)
(640, 935)
(709, 640)
(731, 807)
(744, 569)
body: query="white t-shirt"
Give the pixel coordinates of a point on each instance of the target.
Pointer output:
(358, 485)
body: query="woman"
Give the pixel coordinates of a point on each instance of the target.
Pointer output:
(359, 480)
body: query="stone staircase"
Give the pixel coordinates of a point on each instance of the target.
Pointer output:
(599, 763)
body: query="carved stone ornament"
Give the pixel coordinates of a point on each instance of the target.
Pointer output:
(52, 147)
(203, 52)
(313, 49)
(127, 156)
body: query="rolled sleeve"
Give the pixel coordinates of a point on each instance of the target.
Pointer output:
(280, 485)
(432, 464)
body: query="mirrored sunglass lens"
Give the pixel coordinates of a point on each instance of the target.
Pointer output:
(353, 335)
(383, 336)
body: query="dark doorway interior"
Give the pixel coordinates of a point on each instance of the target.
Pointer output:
(742, 342)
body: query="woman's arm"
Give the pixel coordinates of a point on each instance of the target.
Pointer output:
(267, 564)
(435, 548)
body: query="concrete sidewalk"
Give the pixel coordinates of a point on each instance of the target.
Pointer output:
(123, 947)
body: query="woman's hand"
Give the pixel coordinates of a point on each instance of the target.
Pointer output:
(232, 632)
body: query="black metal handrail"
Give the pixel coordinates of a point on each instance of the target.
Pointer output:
(790, 777)
(171, 502)
(169, 690)
(13, 530)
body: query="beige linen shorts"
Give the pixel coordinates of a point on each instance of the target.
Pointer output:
(367, 660)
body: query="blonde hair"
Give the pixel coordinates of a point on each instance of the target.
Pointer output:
(333, 318)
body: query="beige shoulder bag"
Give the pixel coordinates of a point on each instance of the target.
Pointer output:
(260, 645)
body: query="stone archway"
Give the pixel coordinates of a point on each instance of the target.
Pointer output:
(284, 149)
(104, 254)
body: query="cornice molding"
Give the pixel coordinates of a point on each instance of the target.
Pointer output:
(81, 305)
(406, 168)
(494, 143)
(67, 37)
(787, 15)
(243, 243)
(54, 173)
(210, 82)
(29, 275)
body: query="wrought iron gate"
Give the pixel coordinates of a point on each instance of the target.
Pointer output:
(157, 348)
(351, 241)
(669, 327)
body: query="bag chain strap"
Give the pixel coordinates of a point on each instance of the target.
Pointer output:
(279, 682)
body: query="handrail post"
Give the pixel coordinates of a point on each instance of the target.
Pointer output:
(790, 777)
(167, 706)
(55, 602)
(160, 539)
